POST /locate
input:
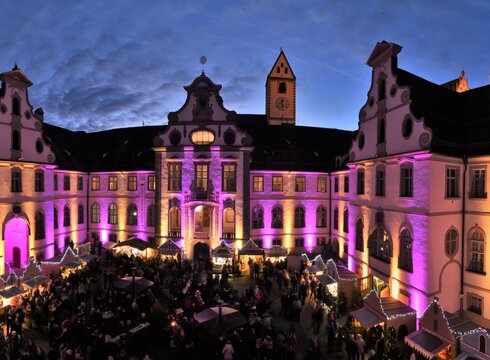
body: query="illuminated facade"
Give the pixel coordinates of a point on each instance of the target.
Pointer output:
(403, 200)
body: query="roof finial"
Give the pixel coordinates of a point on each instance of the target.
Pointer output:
(203, 60)
(15, 67)
(280, 48)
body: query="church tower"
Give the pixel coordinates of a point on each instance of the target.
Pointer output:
(281, 93)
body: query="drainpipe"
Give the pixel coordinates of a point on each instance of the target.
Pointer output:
(463, 215)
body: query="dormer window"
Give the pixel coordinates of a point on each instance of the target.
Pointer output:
(381, 89)
(381, 131)
(278, 70)
(15, 106)
(282, 88)
(15, 140)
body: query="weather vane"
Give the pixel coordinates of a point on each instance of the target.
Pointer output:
(203, 60)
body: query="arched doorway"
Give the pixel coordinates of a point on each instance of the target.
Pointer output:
(201, 252)
(202, 220)
(16, 244)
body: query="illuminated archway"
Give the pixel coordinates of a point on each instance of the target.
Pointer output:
(202, 221)
(16, 250)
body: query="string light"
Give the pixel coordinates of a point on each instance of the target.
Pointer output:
(388, 317)
(68, 250)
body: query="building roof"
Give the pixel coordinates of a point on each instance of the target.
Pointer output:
(283, 147)
(460, 122)
(292, 147)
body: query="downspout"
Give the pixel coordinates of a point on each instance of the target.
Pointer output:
(463, 215)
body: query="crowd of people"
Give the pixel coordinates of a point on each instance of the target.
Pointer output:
(87, 317)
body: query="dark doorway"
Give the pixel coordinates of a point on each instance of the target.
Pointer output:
(201, 252)
(16, 257)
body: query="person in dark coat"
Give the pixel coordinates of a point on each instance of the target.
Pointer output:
(351, 348)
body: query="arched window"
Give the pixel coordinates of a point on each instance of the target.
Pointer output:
(132, 218)
(381, 89)
(95, 213)
(80, 214)
(277, 222)
(299, 217)
(346, 220)
(405, 259)
(321, 216)
(360, 235)
(40, 232)
(66, 215)
(55, 217)
(282, 87)
(150, 215)
(483, 344)
(476, 251)
(380, 245)
(15, 140)
(15, 106)
(451, 242)
(112, 214)
(257, 217)
(174, 222)
(336, 219)
(381, 131)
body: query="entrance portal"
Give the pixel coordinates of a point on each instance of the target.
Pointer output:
(201, 252)
(16, 244)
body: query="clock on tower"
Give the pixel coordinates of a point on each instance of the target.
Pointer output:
(281, 93)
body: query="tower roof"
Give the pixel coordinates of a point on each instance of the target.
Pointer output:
(285, 70)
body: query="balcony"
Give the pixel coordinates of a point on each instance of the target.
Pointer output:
(229, 233)
(201, 235)
(174, 233)
(201, 196)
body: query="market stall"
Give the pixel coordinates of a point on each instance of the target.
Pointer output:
(222, 254)
(67, 263)
(435, 337)
(387, 312)
(347, 281)
(276, 253)
(169, 250)
(32, 279)
(249, 255)
(329, 283)
(136, 247)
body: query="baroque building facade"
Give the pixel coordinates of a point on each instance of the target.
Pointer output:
(402, 200)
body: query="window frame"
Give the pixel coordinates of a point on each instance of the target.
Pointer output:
(132, 216)
(451, 242)
(359, 235)
(299, 217)
(95, 213)
(112, 214)
(95, 183)
(257, 183)
(80, 214)
(132, 183)
(228, 177)
(476, 251)
(174, 171)
(277, 217)
(406, 180)
(478, 187)
(452, 182)
(39, 181)
(112, 183)
(66, 182)
(380, 181)
(66, 216)
(40, 225)
(16, 180)
(279, 185)
(321, 216)
(360, 174)
(257, 217)
(346, 184)
(300, 183)
(321, 184)
(152, 183)
(405, 258)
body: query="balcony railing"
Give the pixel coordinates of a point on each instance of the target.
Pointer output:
(174, 233)
(201, 196)
(229, 233)
(201, 235)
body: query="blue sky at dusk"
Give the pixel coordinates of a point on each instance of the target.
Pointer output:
(104, 64)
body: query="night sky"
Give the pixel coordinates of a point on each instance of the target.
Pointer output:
(104, 64)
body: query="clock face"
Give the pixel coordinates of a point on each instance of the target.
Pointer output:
(282, 103)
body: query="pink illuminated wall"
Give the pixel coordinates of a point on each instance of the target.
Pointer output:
(16, 239)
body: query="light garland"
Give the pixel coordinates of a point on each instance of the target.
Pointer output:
(69, 249)
(388, 317)
(330, 262)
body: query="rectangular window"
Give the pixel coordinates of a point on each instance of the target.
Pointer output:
(277, 242)
(66, 182)
(80, 183)
(258, 182)
(201, 177)
(475, 304)
(152, 183)
(300, 184)
(321, 185)
(112, 183)
(380, 182)
(346, 183)
(406, 182)
(39, 181)
(336, 184)
(259, 243)
(321, 241)
(55, 182)
(132, 183)
(277, 183)
(174, 177)
(299, 242)
(16, 181)
(229, 177)
(452, 186)
(478, 183)
(95, 183)
(360, 181)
